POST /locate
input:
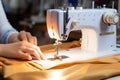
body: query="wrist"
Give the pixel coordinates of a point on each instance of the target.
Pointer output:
(13, 38)
(1, 49)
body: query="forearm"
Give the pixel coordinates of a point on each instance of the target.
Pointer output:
(2, 46)
(7, 50)
(5, 28)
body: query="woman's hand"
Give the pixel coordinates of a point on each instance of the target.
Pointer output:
(21, 50)
(22, 36)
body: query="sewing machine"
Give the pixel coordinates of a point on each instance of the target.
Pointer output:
(98, 27)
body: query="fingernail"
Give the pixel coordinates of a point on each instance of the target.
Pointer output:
(44, 58)
(29, 57)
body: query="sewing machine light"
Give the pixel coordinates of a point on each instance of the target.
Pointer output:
(52, 25)
(53, 33)
(50, 33)
(49, 25)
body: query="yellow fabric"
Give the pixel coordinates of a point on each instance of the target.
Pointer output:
(94, 69)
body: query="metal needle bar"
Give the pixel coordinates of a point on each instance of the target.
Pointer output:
(56, 56)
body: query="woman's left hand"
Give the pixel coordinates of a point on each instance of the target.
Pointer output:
(22, 36)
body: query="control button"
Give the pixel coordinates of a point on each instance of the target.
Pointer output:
(79, 8)
(110, 18)
(71, 8)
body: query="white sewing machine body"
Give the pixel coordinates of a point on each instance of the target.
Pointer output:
(98, 34)
(98, 27)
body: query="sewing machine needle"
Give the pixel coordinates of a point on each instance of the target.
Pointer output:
(56, 56)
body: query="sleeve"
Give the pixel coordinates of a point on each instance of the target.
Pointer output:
(5, 27)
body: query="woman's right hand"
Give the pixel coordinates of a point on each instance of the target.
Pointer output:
(21, 50)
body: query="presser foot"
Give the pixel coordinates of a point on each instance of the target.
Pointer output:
(56, 57)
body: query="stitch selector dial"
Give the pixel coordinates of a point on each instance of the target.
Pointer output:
(110, 18)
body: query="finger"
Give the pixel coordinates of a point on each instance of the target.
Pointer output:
(29, 37)
(35, 40)
(32, 52)
(36, 48)
(24, 56)
(22, 36)
(39, 52)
